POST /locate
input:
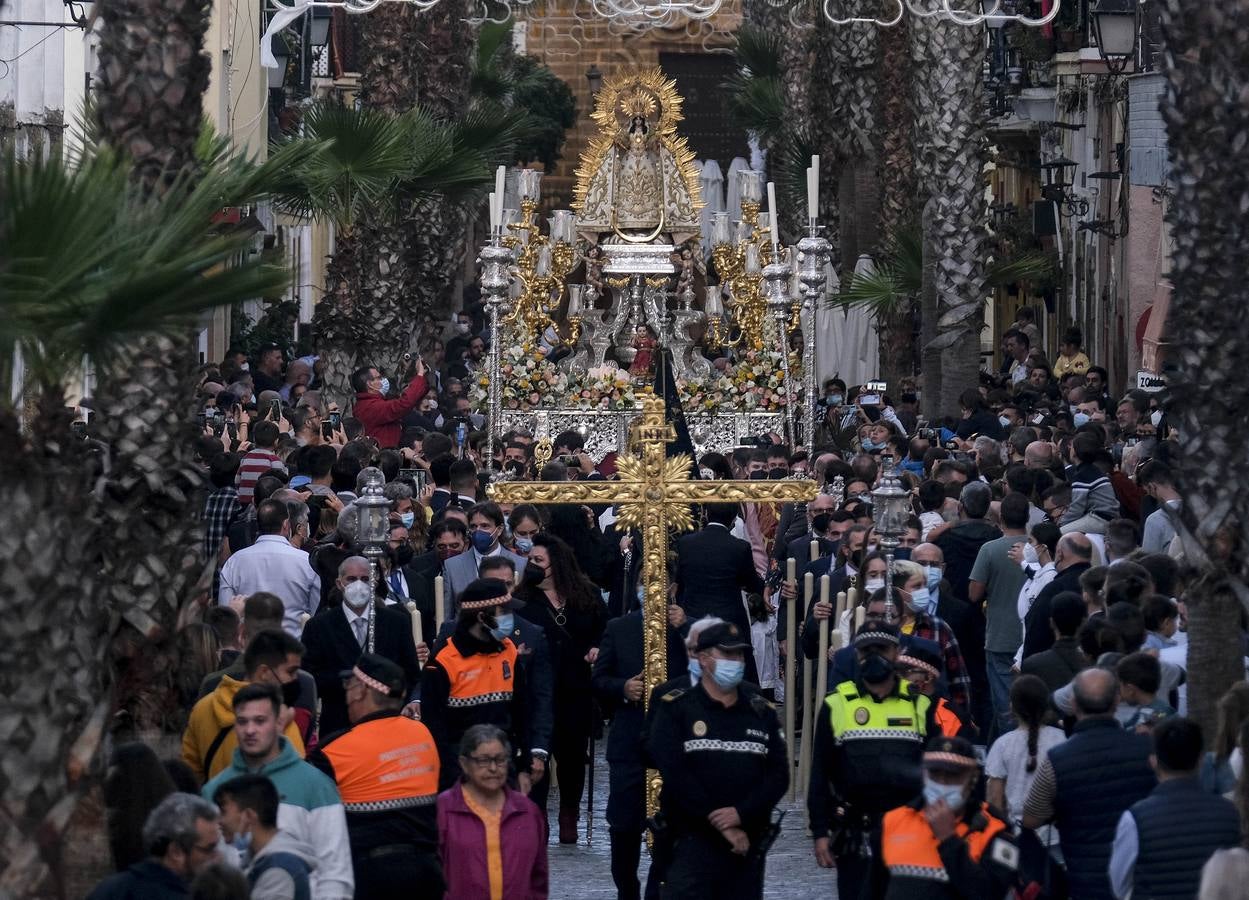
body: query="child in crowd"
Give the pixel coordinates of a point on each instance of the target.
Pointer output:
(1139, 677)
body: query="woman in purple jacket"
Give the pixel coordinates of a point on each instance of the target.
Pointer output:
(492, 838)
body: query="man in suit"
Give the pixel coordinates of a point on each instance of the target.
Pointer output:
(485, 530)
(1060, 663)
(618, 683)
(335, 639)
(713, 568)
(448, 538)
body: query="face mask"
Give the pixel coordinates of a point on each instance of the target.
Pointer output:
(778, 474)
(919, 600)
(246, 367)
(432, 406)
(534, 574)
(290, 692)
(524, 545)
(503, 626)
(1080, 418)
(821, 521)
(1029, 555)
(933, 574)
(835, 399)
(461, 328)
(1155, 417)
(875, 668)
(445, 554)
(1003, 421)
(760, 475)
(242, 843)
(952, 794)
(641, 593)
(482, 541)
(728, 673)
(407, 519)
(695, 668)
(872, 585)
(357, 594)
(385, 386)
(400, 556)
(869, 445)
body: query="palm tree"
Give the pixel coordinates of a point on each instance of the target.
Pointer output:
(95, 264)
(153, 75)
(951, 151)
(1206, 62)
(368, 177)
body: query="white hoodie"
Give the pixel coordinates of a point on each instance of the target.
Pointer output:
(276, 883)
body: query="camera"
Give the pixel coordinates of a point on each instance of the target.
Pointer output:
(932, 435)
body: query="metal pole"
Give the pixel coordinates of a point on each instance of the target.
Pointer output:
(496, 278)
(813, 254)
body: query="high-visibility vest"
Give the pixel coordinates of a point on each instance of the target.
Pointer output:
(480, 678)
(854, 717)
(908, 848)
(384, 764)
(947, 719)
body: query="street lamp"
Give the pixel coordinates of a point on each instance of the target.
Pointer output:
(1115, 26)
(319, 32)
(372, 530)
(1058, 184)
(891, 507)
(595, 79)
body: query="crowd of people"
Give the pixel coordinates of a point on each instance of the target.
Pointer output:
(1005, 711)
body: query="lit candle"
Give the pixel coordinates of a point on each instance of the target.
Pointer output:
(772, 211)
(813, 189)
(440, 612)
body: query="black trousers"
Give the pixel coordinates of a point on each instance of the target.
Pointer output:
(399, 876)
(626, 820)
(570, 746)
(703, 865)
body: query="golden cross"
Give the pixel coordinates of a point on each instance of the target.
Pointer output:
(653, 494)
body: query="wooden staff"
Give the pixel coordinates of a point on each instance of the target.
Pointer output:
(810, 705)
(808, 593)
(440, 612)
(821, 672)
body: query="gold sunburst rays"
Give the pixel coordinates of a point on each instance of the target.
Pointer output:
(674, 469)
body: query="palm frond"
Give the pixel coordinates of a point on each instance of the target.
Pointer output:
(1032, 267)
(756, 91)
(758, 50)
(491, 78)
(881, 292)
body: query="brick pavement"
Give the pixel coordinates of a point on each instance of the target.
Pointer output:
(583, 872)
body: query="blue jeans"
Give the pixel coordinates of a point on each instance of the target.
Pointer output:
(998, 668)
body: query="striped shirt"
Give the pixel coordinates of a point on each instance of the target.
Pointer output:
(255, 464)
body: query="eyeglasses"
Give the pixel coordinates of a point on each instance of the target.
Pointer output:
(489, 762)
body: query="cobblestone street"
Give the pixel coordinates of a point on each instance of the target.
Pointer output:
(583, 872)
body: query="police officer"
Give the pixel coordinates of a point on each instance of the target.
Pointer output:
(921, 667)
(474, 680)
(947, 842)
(719, 747)
(869, 739)
(386, 768)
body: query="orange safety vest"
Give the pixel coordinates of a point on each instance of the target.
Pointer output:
(947, 719)
(908, 847)
(384, 764)
(480, 678)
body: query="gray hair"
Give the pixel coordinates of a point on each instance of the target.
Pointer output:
(342, 566)
(297, 512)
(484, 734)
(348, 523)
(1224, 875)
(975, 498)
(987, 448)
(173, 822)
(700, 625)
(396, 491)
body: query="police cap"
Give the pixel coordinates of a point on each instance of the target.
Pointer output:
(725, 636)
(378, 673)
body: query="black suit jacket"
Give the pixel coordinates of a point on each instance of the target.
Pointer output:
(1040, 636)
(619, 659)
(1057, 665)
(713, 568)
(419, 574)
(330, 647)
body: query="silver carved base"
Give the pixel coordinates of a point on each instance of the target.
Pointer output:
(606, 431)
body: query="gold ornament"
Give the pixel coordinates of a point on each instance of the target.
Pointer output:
(654, 493)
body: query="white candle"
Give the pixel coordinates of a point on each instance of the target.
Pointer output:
(791, 567)
(500, 186)
(772, 210)
(417, 638)
(494, 211)
(440, 612)
(813, 191)
(752, 259)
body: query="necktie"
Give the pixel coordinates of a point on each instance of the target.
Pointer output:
(360, 626)
(397, 586)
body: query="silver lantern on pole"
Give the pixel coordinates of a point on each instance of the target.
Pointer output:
(373, 532)
(814, 252)
(776, 280)
(891, 507)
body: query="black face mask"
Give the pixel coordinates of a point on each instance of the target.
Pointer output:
(400, 556)
(821, 521)
(778, 474)
(290, 692)
(534, 574)
(875, 668)
(759, 475)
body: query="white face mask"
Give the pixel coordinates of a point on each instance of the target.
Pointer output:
(872, 585)
(1030, 555)
(1155, 417)
(356, 594)
(461, 328)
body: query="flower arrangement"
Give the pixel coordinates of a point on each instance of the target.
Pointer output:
(531, 381)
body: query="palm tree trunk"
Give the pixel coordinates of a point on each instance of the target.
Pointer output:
(948, 121)
(153, 74)
(1206, 65)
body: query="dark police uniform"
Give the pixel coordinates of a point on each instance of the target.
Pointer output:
(712, 756)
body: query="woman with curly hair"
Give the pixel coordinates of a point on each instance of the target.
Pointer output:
(569, 608)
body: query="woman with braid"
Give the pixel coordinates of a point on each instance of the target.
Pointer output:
(1014, 757)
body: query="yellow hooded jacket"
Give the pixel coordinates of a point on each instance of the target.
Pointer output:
(212, 717)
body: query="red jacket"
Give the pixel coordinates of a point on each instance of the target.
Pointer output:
(522, 844)
(381, 418)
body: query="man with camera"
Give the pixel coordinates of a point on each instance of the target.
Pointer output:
(382, 418)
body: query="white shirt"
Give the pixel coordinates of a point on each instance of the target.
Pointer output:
(1008, 759)
(1027, 596)
(272, 564)
(353, 618)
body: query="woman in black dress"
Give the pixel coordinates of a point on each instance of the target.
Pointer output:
(569, 608)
